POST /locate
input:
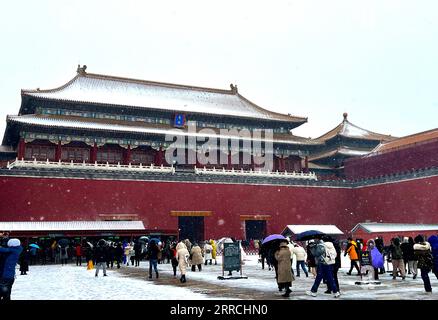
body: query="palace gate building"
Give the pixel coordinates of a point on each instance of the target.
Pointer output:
(94, 149)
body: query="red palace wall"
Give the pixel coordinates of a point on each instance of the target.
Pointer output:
(412, 201)
(406, 159)
(73, 199)
(24, 199)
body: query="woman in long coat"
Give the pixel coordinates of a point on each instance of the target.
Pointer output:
(196, 258)
(285, 277)
(183, 257)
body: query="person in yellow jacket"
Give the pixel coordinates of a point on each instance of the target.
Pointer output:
(353, 252)
(214, 251)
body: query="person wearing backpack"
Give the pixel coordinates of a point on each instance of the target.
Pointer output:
(422, 251)
(396, 256)
(325, 256)
(337, 265)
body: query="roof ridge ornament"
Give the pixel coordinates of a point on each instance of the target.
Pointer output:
(80, 70)
(233, 88)
(345, 116)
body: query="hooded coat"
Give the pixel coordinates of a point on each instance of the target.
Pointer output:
(283, 257)
(352, 251)
(423, 252)
(182, 255)
(214, 252)
(10, 261)
(208, 249)
(196, 254)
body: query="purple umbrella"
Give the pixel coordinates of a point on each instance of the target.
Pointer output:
(273, 237)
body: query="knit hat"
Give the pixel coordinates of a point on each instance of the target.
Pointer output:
(14, 242)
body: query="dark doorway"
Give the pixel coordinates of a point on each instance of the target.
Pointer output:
(191, 228)
(255, 229)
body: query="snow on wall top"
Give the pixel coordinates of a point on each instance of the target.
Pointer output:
(299, 228)
(95, 88)
(394, 227)
(70, 225)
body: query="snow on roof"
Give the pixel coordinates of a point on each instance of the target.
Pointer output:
(96, 88)
(82, 123)
(346, 151)
(299, 228)
(349, 130)
(394, 227)
(70, 225)
(405, 142)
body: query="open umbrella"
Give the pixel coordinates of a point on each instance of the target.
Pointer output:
(309, 234)
(63, 242)
(156, 240)
(273, 237)
(90, 244)
(143, 239)
(34, 245)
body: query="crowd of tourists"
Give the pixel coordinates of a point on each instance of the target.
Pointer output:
(319, 257)
(322, 257)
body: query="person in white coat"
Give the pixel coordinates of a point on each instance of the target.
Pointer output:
(182, 255)
(300, 257)
(208, 252)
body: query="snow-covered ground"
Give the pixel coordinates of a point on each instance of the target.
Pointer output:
(129, 283)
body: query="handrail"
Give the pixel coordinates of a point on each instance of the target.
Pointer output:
(257, 173)
(90, 166)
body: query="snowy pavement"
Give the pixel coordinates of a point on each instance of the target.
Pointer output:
(55, 282)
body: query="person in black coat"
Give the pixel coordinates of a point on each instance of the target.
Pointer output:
(100, 257)
(138, 251)
(118, 254)
(152, 254)
(24, 261)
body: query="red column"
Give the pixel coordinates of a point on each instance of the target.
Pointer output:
(306, 164)
(58, 152)
(21, 149)
(93, 153)
(282, 164)
(159, 157)
(127, 155)
(229, 164)
(276, 164)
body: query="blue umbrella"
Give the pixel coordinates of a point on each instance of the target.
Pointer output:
(273, 237)
(309, 234)
(156, 240)
(33, 245)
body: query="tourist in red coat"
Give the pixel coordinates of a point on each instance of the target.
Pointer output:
(78, 254)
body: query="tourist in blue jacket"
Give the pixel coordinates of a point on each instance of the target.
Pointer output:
(7, 274)
(433, 240)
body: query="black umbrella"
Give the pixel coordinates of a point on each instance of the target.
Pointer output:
(63, 242)
(310, 234)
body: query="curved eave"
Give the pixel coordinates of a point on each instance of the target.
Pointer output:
(117, 127)
(292, 123)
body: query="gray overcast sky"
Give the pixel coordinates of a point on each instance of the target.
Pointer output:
(375, 59)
